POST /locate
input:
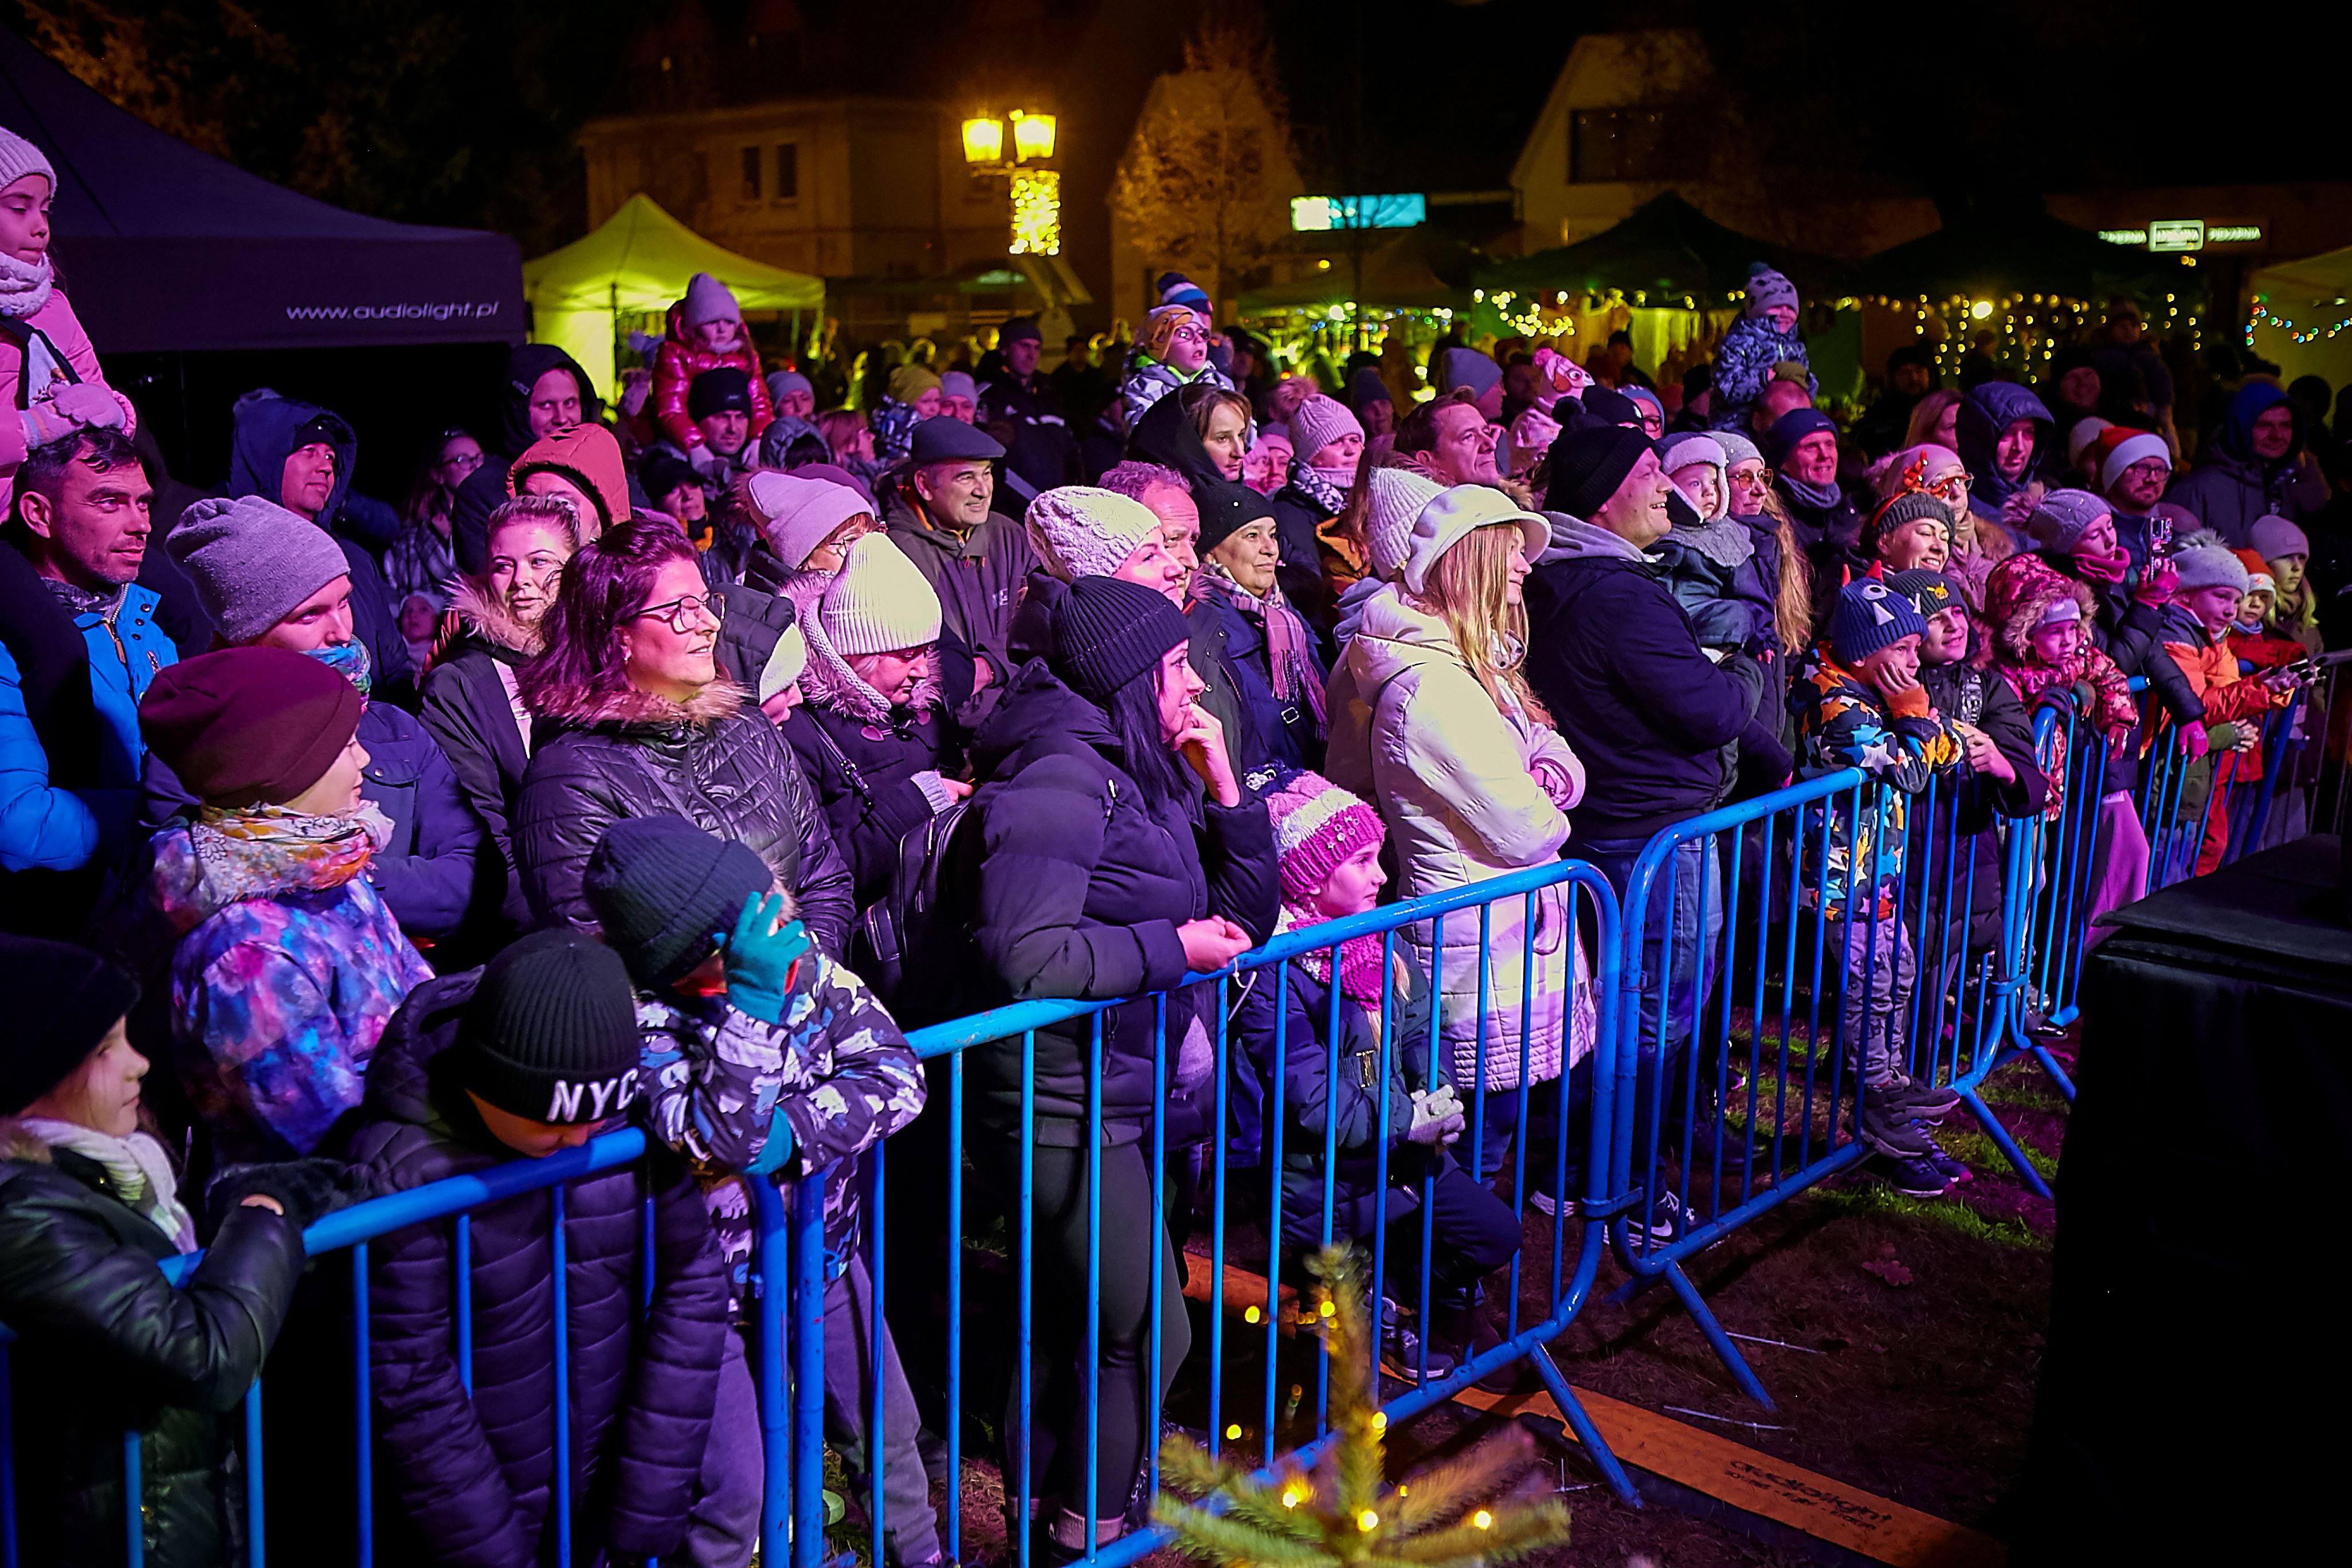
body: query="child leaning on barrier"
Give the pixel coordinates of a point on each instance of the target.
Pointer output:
(1328, 842)
(1863, 706)
(2194, 632)
(532, 1054)
(763, 1058)
(1956, 888)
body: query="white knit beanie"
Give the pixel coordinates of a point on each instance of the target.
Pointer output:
(1320, 421)
(1456, 512)
(2203, 565)
(709, 300)
(1082, 531)
(19, 158)
(797, 514)
(2129, 450)
(1690, 449)
(1394, 497)
(879, 604)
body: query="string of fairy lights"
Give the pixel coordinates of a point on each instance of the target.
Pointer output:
(2263, 315)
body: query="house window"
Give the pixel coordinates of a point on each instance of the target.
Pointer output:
(788, 171)
(1611, 144)
(751, 174)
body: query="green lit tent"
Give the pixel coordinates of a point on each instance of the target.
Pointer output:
(639, 264)
(1665, 250)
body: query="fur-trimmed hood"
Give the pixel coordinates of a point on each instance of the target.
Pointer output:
(485, 618)
(829, 683)
(18, 1142)
(629, 709)
(2016, 595)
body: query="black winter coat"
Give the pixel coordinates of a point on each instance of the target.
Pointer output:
(2132, 635)
(467, 712)
(473, 1477)
(717, 761)
(1830, 538)
(861, 763)
(1614, 659)
(1077, 885)
(1273, 735)
(108, 1345)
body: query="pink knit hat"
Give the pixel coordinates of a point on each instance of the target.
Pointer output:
(1316, 825)
(1320, 421)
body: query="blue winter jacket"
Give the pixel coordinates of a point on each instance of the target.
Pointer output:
(58, 829)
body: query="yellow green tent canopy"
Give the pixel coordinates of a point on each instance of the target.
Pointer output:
(639, 264)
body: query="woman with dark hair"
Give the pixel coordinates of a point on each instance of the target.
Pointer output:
(473, 698)
(1173, 434)
(1116, 852)
(422, 560)
(1240, 609)
(630, 675)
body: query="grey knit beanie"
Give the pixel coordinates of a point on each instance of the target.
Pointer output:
(1393, 502)
(2058, 522)
(2204, 565)
(19, 158)
(253, 561)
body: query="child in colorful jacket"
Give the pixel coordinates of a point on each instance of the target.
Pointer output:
(765, 1059)
(1764, 336)
(2194, 629)
(289, 966)
(706, 332)
(1861, 706)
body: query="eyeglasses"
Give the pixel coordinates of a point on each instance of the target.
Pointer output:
(1189, 335)
(679, 612)
(1951, 487)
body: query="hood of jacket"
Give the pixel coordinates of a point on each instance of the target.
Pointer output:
(1037, 708)
(525, 365)
(590, 455)
(1573, 540)
(263, 439)
(2016, 605)
(2236, 436)
(1392, 635)
(629, 709)
(1165, 435)
(488, 620)
(1984, 414)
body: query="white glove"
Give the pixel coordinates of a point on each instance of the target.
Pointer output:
(88, 404)
(1437, 1117)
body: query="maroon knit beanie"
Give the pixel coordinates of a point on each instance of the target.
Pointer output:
(249, 726)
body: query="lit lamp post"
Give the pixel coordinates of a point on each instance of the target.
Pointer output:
(1036, 191)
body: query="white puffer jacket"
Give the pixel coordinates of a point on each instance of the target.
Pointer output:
(1413, 731)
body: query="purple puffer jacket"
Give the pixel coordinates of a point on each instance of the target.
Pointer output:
(475, 1477)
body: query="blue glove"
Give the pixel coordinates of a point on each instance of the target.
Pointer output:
(759, 960)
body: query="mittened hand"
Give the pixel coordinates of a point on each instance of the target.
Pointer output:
(1437, 1117)
(2195, 741)
(1532, 434)
(89, 403)
(2156, 587)
(760, 954)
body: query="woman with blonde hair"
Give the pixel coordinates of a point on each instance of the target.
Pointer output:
(1432, 721)
(1936, 421)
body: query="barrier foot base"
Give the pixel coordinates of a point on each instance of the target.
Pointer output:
(1724, 1351)
(1572, 1410)
(2006, 1144)
(2058, 1079)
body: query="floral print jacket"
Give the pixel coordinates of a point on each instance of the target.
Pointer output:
(1842, 722)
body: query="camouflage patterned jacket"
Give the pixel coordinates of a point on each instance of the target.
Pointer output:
(836, 1078)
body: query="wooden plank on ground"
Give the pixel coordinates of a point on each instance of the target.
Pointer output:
(1820, 1506)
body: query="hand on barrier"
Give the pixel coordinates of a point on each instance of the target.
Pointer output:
(1984, 755)
(1212, 943)
(2196, 742)
(304, 1190)
(1438, 1118)
(760, 954)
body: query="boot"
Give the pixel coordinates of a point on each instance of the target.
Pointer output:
(1464, 1333)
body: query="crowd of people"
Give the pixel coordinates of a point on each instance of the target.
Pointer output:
(663, 763)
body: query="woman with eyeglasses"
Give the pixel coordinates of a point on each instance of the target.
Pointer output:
(646, 726)
(422, 560)
(1977, 543)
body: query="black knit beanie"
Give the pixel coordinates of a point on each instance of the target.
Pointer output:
(1588, 463)
(1226, 508)
(1895, 513)
(661, 886)
(1107, 631)
(62, 1001)
(551, 1033)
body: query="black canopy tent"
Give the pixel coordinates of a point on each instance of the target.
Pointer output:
(167, 249)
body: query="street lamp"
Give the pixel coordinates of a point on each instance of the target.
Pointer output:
(1037, 192)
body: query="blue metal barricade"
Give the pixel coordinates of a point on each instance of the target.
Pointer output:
(1053, 1227)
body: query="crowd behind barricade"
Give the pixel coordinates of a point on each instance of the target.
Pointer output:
(348, 847)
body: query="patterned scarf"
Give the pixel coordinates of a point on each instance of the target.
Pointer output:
(25, 285)
(261, 851)
(138, 1167)
(1359, 958)
(350, 661)
(1316, 490)
(1287, 637)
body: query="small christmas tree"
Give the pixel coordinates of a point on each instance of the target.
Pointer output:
(1340, 1512)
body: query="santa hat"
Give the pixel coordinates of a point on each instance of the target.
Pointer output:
(2119, 447)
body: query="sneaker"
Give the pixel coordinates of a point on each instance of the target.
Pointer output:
(1889, 1129)
(1546, 1205)
(1401, 1348)
(1925, 1101)
(1954, 1172)
(1669, 1216)
(1914, 1177)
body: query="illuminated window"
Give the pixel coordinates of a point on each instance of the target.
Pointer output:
(788, 171)
(751, 174)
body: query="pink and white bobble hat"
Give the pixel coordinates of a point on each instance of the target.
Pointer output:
(1316, 825)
